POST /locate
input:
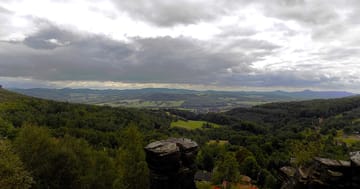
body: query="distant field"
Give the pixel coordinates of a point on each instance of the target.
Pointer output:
(348, 139)
(192, 100)
(351, 139)
(251, 103)
(137, 103)
(220, 142)
(190, 124)
(356, 121)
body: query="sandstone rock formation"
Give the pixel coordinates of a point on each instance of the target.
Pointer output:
(324, 173)
(172, 163)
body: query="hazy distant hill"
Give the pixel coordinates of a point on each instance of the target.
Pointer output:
(202, 101)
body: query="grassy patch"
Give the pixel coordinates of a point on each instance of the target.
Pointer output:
(220, 142)
(347, 139)
(356, 121)
(203, 185)
(350, 140)
(251, 103)
(190, 124)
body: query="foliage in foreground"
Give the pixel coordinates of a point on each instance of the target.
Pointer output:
(68, 162)
(63, 145)
(13, 174)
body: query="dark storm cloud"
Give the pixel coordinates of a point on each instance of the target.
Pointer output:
(183, 60)
(143, 60)
(162, 59)
(56, 54)
(23, 83)
(50, 38)
(83, 58)
(295, 79)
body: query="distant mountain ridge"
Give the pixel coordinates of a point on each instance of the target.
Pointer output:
(202, 101)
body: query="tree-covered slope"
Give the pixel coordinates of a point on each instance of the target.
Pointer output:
(64, 145)
(289, 112)
(96, 124)
(20, 109)
(48, 144)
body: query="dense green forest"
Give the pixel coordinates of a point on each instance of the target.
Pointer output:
(48, 144)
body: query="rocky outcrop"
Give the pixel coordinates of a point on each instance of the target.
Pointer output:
(355, 168)
(324, 173)
(172, 163)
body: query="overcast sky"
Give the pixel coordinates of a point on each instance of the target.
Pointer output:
(196, 44)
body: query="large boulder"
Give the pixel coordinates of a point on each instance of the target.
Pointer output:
(163, 156)
(355, 158)
(172, 163)
(355, 164)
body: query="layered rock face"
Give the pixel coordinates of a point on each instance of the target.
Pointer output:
(355, 168)
(172, 163)
(324, 173)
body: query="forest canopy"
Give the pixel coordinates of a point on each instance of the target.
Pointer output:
(48, 144)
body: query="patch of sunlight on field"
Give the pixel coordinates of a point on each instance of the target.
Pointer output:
(191, 125)
(220, 142)
(347, 139)
(351, 139)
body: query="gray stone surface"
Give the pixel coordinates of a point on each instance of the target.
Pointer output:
(324, 173)
(172, 163)
(355, 158)
(332, 162)
(162, 148)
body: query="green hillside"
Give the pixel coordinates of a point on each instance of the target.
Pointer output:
(20, 110)
(49, 144)
(61, 145)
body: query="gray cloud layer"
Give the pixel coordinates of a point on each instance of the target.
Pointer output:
(168, 13)
(52, 52)
(162, 60)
